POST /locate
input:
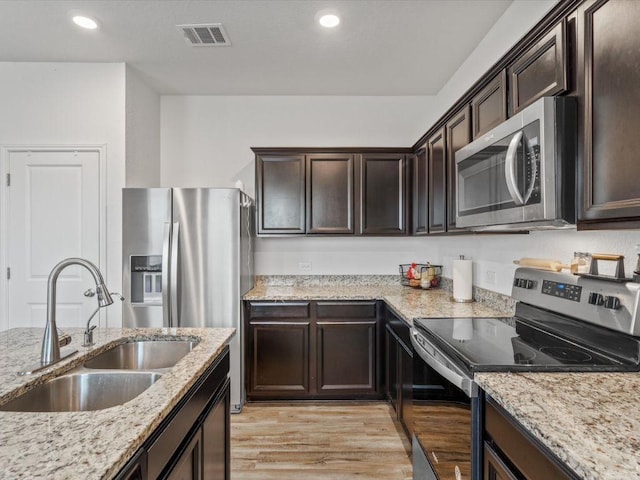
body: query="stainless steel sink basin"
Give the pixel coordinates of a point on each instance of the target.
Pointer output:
(83, 392)
(143, 355)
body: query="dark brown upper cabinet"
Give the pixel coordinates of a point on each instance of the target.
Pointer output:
(330, 193)
(609, 84)
(383, 194)
(489, 106)
(458, 134)
(420, 182)
(280, 189)
(540, 71)
(437, 189)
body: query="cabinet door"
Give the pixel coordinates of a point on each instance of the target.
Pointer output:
(280, 189)
(610, 45)
(437, 173)
(420, 200)
(330, 193)
(391, 368)
(489, 106)
(347, 334)
(216, 430)
(383, 194)
(406, 385)
(188, 466)
(347, 356)
(279, 358)
(458, 135)
(136, 468)
(494, 467)
(540, 71)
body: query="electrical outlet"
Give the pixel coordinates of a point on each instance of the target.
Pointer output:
(304, 266)
(490, 277)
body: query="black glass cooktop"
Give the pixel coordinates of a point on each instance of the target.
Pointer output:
(506, 344)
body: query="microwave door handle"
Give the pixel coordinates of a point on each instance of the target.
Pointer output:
(166, 251)
(534, 173)
(173, 292)
(464, 383)
(509, 169)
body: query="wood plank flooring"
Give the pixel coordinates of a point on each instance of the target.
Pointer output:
(335, 441)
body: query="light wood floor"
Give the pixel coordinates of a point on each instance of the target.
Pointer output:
(309, 441)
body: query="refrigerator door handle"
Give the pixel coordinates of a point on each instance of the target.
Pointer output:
(166, 245)
(173, 285)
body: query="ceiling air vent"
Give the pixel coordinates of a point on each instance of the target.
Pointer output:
(206, 35)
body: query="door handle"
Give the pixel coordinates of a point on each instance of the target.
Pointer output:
(173, 286)
(509, 169)
(166, 250)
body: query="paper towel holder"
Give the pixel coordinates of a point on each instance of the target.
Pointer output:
(463, 300)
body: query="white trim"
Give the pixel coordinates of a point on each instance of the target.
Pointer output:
(5, 151)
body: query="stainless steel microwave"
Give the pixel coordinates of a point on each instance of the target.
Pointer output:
(522, 174)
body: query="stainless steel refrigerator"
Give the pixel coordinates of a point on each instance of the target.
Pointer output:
(187, 261)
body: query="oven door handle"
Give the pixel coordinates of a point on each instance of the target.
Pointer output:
(444, 366)
(510, 169)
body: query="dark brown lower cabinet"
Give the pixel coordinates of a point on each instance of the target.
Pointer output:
(192, 443)
(312, 350)
(188, 465)
(279, 357)
(399, 370)
(347, 356)
(510, 453)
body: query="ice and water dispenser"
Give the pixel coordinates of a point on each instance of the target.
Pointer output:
(146, 279)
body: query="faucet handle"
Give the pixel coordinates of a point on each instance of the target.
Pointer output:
(90, 293)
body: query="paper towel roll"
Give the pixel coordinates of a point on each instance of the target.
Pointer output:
(463, 280)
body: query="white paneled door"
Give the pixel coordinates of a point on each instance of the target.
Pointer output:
(53, 210)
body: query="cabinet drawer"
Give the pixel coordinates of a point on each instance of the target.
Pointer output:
(346, 310)
(279, 310)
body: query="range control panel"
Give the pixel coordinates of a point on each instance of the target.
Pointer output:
(614, 305)
(562, 290)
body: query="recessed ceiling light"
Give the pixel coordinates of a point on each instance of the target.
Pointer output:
(85, 22)
(329, 20)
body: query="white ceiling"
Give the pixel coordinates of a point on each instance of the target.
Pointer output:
(381, 47)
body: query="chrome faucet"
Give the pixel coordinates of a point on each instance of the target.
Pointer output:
(50, 347)
(88, 332)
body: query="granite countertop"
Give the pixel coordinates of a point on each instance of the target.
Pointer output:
(96, 444)
(408, 303)
(590, 421)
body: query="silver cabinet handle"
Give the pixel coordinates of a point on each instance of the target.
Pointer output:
(173, 269)
(166, 250)
(466, 384)
(509, 169)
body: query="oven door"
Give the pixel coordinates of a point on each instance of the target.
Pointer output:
(444, 398)
(498, 177)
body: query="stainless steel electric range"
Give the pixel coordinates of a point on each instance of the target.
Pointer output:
(563, 323)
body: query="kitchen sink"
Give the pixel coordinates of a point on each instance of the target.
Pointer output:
(83, 392)
(142, 355)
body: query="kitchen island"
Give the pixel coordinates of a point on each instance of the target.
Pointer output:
(92, 444)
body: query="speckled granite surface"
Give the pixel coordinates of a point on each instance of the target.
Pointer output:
(591, 421)
(97, 444)
(408, 303)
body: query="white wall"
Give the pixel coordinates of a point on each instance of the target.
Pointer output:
(142, 106)
(67, 104)
(206, 140)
